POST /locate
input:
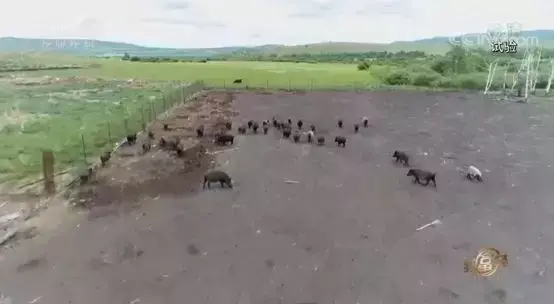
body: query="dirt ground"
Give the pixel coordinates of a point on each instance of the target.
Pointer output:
(131, 174)
(346, 232)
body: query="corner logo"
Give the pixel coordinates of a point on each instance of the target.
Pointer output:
(486, 262)
(498, 38)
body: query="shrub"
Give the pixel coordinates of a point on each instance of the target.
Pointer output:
(443, 82)
(398, 77)
(441, 66)
(426, 79)
(470, 81)
(363, 66)
(380, 71)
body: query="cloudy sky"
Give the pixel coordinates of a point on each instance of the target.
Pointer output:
(211, 23)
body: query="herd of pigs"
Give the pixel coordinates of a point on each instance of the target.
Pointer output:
(223, 138)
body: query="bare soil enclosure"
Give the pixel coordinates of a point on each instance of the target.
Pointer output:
(346, 231)
(131, 174)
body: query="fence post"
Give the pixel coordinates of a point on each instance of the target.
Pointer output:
(142, 116)
(48, 172)
(289, 85)
(84, 149)
(184, 94)
(126, 127)
(109, 133)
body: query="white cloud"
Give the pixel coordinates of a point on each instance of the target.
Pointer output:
(207, 23)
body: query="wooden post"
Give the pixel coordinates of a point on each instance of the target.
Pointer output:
(84, 149)
(48, 172)
(142, 115)
(109, 133)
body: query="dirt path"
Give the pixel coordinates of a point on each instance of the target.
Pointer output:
(345, 233)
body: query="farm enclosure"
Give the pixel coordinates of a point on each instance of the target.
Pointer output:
(39, 97)
(347, 231)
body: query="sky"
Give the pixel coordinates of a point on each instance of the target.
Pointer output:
(215, 23)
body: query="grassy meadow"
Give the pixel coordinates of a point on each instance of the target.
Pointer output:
(278, 75)
(76, 117)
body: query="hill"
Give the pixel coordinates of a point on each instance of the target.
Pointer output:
(436, 45)
(85, 47)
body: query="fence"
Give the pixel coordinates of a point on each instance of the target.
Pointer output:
(289, 84)
(292, 84)
(84, 150)
(136, 121)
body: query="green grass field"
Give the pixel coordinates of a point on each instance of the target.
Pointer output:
(222, 74)
(74, 117)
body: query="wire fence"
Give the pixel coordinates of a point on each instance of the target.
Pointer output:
(136, 121)
(288, 84)
(84, 150)
(310, 85)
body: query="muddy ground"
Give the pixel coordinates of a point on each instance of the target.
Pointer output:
(344, 233)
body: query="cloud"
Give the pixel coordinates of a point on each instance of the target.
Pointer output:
(210, 23)
(176, 5)
(184, 21)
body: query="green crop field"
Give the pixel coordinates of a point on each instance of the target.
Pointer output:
(222, 73)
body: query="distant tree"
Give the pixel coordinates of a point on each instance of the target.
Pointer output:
(126, 56)
(135, 58)
(363, 66)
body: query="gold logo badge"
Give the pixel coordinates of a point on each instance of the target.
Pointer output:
(486, 262)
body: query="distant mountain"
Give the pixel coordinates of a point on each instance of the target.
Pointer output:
(105, 48)
(85, 47)
(435, 45)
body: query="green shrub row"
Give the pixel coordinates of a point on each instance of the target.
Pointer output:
(471, 81)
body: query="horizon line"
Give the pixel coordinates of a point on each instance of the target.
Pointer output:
(253, 46)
